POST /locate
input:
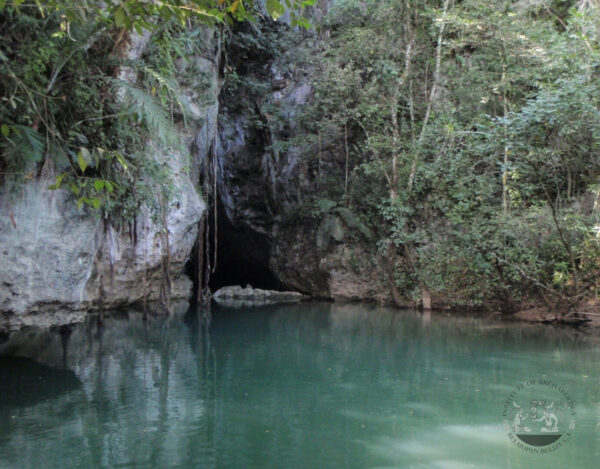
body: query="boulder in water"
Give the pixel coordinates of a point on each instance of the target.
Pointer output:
(249, 296)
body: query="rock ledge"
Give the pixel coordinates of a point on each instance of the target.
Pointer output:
(238, 296)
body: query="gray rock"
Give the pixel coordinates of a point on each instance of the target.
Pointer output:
(58, 262)
(238, 296)
(261, 183)
(47, 254)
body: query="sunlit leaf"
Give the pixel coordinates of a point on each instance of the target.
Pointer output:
(83, 158)
(120, 17)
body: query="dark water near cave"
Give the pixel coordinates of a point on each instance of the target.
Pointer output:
(304, 386)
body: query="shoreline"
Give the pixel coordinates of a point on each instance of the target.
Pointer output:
(587, 320)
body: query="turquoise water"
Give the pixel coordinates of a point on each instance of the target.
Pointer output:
(305, 386)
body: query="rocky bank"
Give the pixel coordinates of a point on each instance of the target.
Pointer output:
(56, 259)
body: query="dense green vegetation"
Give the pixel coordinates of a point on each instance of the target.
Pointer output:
(458, 140)
(68, 111)
(468, 139)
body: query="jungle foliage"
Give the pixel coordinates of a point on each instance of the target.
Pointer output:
(458, 139)
(66, 112)
(467, 136)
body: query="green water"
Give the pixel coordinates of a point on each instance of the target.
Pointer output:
(305, 386)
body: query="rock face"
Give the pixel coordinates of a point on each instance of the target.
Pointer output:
(267, 171)
(56, 260)
(126, 271)
(342, 272)
(238, 296)
(47, 254)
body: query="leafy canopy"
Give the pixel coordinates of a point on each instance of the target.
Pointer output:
(139, 14)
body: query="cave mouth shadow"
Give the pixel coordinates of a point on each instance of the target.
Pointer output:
(242, 257)
(24, 382)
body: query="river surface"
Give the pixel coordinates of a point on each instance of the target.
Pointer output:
(304, 386)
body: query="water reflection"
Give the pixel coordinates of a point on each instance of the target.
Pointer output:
(24, 382)
(309, 385)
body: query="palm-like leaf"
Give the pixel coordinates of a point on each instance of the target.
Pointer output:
(23, 147)
(149, 110)
(171, 86)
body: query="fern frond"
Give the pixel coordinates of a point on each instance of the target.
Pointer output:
(329, 228)
(353, 222)
(172, 88)
(149, 111)
(23, 148)
(325, 205)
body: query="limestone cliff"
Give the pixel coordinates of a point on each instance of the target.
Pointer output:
(58, 260)
(55, 258)
(268, 172)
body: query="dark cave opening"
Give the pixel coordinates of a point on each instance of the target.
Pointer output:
(242, 257)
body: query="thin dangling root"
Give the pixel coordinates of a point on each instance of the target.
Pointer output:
(166, 284)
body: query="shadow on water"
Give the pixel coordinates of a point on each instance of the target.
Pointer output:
(23, 382)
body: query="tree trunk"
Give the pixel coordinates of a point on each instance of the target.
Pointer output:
(395, 143)
(391, 266)
(410, 249)
(393, 177)
(200, 260)
(586, 4)
(432, 93)
(319, 163)
(347, 158)
(505, 195)
(425, 298)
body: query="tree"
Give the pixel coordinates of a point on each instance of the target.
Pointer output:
(139, 14)
(66, 104)
(479, 120)
(386, 114)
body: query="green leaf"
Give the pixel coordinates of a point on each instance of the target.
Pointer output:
(26, 145)
(96, 203)
(58, 181)
(81, 160)
(234, 6)
(98, 184)
(5, 128)
(121, 160)
(150, 111)
(120, 17)
(302, 22)
(138, 28)
(275, 9)
(324, 205)
(71, 15)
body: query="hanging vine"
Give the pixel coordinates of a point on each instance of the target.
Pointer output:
(166, 284)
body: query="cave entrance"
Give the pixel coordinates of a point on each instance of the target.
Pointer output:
(242, 256)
